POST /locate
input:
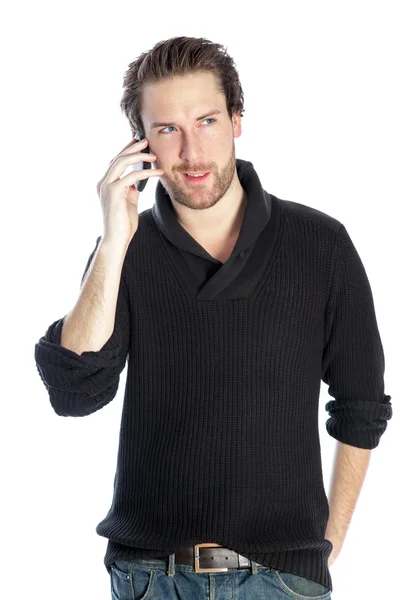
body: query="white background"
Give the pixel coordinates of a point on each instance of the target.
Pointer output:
(321, 93)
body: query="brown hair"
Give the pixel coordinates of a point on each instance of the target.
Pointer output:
(179, 56)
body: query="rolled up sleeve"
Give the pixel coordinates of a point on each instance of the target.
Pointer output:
(80, 384)
(353, 362)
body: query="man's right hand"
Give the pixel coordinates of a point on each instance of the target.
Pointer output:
(119, 196)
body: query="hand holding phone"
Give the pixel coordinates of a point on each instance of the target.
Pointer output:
(119, 195)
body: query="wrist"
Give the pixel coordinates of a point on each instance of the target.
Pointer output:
(114, 245)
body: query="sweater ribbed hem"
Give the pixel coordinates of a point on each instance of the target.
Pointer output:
(309, 563)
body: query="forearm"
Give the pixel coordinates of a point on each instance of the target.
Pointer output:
(350, 468)
(90, 323)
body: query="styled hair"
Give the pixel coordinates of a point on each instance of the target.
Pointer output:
(179, 56)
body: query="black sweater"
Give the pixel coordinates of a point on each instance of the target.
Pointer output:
(219, 438)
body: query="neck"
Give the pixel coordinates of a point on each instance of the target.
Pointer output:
(219, 222)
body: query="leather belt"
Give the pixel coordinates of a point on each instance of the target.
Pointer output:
(210, 558)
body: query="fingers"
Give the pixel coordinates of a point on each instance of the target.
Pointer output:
(137, 145)
(134, 147)
(135, 176)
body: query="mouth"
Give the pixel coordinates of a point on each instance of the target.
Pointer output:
(197, 179)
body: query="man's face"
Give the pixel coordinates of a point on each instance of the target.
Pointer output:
(183, 142)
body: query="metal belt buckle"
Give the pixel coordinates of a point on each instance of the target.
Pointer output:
(197, 567)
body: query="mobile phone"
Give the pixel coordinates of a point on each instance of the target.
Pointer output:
(141, 184)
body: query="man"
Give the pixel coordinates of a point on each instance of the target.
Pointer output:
(233, 306)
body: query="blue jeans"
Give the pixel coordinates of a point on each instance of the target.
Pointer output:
(148, 579)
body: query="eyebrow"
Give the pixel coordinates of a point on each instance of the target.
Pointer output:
(158, 124)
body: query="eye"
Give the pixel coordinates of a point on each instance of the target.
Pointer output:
(169, 126)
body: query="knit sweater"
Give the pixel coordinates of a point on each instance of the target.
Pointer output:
(219, 438)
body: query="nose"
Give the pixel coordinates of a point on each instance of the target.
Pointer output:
(192, 152)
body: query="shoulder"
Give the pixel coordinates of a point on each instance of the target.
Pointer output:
(145, 216)
(296, 211)
(145, 222)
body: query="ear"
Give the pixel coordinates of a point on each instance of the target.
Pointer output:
(237, 125)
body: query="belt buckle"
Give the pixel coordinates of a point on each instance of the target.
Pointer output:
(197, 567)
